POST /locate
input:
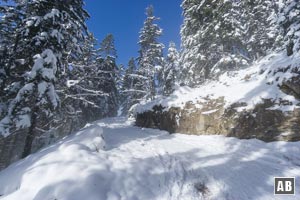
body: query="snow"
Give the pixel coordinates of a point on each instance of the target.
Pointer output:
(46, 58)
(4, 126)
(71, 83)
(24, 119)
(113, 160)
(210, 112)
(54, 13)
(250, 85)
(42, 87)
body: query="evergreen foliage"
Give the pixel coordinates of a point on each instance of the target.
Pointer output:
(49, 30)
(219, 36)
(289, 21)
(150, 61)
(171, 70)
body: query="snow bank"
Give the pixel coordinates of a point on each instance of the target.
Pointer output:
(53, 172)
(142, 164)
(251, 85)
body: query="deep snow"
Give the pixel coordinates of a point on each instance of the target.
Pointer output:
(113, 160)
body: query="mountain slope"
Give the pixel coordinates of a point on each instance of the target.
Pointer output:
(111, 159)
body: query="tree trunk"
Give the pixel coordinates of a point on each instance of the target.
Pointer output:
(30, 135)
(289, 49)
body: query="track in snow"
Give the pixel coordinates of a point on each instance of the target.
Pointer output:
(147, 164)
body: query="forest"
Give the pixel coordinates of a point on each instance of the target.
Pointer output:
(237, 67)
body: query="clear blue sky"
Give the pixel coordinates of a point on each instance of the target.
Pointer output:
(124, 19)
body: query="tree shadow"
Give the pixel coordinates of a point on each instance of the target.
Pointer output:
(243, 169)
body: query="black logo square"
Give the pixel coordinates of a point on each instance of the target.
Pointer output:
(284, 186)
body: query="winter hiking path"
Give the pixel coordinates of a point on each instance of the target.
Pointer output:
(113, 160)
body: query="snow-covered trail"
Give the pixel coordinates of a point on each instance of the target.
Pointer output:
(113, 160)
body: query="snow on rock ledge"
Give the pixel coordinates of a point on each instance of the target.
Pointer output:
(261, 101)
(269, 78)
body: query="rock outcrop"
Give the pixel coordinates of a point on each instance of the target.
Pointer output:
(212, 117)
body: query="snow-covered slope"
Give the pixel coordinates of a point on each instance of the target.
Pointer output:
(250, 85)
(113, 160)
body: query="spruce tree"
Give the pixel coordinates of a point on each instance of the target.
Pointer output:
(196, 36)
(289, 21)
(218, 36)
(260, 27)
(82, 94)
(108, 73)
(127, 87)
(171, 69)
(11, 19)
(107, 47)
(50, 30)
(150, 60)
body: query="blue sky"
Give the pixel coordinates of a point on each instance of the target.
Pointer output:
(124, 19)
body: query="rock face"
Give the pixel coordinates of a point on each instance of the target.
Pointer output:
(212, 118)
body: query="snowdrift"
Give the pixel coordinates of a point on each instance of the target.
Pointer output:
(57, 172)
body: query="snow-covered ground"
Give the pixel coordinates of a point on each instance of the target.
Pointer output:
(250, 85)
(113, 160)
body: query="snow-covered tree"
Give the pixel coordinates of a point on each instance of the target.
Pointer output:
(120, 80)
(195, 36)
(79, 88)
(129, 75)
(107, 47)
(150, 60)
(171, 69)
(12, 17)
(223, 35)
(130, 90)
(289, 21)
(108, 74)
(229, 50)
(50, 30)
(92, 82)
(260, 27)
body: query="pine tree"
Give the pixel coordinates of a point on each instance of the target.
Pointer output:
(108, 73)
(128, 89)
(92, 91)
(171, 69)
(229, 27)
(218, 36)
(289, 21)
(150, 60)
(12, 17)
(129, 75)
(196, 35)
(107, 47)
(261, 31)
(49, 31)
(82, 94)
